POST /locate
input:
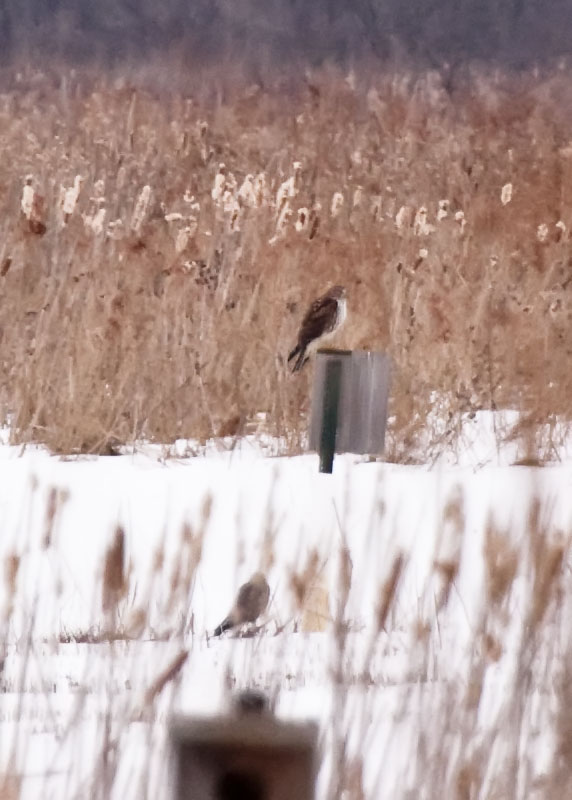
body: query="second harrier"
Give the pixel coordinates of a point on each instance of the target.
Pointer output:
(250, 603)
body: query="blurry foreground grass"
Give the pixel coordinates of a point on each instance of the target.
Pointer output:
(452, 700)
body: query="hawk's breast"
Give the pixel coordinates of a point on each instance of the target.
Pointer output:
(341, 314)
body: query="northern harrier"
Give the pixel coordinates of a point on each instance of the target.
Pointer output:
(251, 602)
(322, 320)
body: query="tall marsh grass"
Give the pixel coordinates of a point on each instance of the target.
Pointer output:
(158, 248)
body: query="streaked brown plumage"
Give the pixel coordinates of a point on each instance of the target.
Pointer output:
(323, 318)
(251, 602)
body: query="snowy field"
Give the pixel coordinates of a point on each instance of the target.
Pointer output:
(400, 616)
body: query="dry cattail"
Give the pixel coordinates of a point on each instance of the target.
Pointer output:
(420, 225)
(316, 611)
(336, 204)
(281, 223)
(219, 184)
(246, 192)
(302, 582)
(302, 220)
(114, 580)
(314, 219)
(350, 80)
(501, 563)
(11, 568)
(11, 786)
(345, 574)
(388, 591)
(460, 220)
(96, 222)
(443, 210)
(506, 194)
(115, 229)
(27, 202)
(260, 190)
(174, 216)
(375, 207)
(375, 104)
(70, 197)
(447, 571)
(136, 623)
(547, 572)
(121, 179)
(233, 212)
(158, 559)
(285, 192)
(141, 209)
(206, 509)
(202, 128)
(32, 205)
(51, 512)
(403, 218)
(288, 189)
(182, 240)
(492, 647)
(169, 674)
(357, 198)
(357, 158)
(5, 266)
(99, 190)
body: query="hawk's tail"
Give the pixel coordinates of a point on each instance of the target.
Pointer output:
(299, 351)
(225, 625)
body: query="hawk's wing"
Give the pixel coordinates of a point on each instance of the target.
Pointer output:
(252, 600)
(320, 319)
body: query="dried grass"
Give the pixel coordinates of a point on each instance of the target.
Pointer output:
(161, 291)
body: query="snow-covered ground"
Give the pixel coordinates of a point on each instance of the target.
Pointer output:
(230, 512)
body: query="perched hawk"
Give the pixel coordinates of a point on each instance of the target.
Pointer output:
(251, 602)
(323, 318)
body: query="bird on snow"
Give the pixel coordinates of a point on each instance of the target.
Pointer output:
(322, 320)
(251, 602)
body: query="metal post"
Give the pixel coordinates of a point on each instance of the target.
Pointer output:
(330, 415)
(358, 380)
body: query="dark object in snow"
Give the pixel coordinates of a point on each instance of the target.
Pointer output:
(250, 701)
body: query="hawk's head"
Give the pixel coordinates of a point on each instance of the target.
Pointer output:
(337, 292)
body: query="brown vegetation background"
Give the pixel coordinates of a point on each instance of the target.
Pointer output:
(169, 316)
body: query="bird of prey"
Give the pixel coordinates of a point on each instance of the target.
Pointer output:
(251, 602)
(322, 320)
